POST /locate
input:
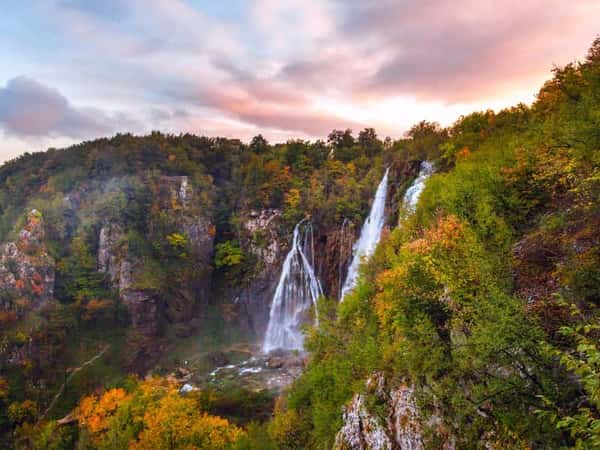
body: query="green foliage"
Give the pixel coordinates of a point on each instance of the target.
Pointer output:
(240, 406)
(78, 276)
(228, 254)
(458, 300)
(582, 420)
(179, 244)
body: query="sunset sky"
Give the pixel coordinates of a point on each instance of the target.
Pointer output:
(78, 69)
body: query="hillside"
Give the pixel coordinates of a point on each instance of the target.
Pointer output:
(473, 325)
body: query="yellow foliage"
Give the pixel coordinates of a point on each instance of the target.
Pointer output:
(163, 417)
(4, 388)
(94, 412)
(287, 429)
(421, 255)
(176, 422)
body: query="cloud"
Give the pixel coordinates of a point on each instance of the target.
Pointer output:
(284, 68)
(296, 116)
(469, 50)
(30, 109)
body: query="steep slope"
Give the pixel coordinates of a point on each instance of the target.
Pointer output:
(484, 301)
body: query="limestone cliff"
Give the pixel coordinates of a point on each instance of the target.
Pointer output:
(261, 239)
(385, 417)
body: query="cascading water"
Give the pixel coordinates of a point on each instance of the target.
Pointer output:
(297, 291)
(411, 197)
(369, 235)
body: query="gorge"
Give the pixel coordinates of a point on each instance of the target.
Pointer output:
(440, 290)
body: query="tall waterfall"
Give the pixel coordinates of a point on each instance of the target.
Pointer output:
(369, 235)
(298, 289)
(411, 196)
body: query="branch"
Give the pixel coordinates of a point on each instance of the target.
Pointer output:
(64, 385)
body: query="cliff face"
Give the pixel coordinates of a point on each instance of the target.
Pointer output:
(174, 207)
(174, 199)
(333, 253)
(386, 418)
(26, 269)
(121, 268)
(261, 239)
(174, 210)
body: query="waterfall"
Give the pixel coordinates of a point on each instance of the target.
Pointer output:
(369, 235)
(411, 197)
(298, 289)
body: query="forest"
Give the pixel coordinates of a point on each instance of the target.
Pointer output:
(482, 302)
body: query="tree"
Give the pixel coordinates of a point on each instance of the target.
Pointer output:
(369, 141)
(152, 415)
(343, 146)
(175, 422)
(259, 144)
(79, 279)
(426, 139)
(583, 361)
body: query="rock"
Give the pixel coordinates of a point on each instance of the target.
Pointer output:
(293, 362)
(399, 428)
(187, 388)
(143, 309)
(180, 198)
(261, 227)
(27, 271)
(276, 362)
(217, 359)
(143, 306)
(183, 190)
(108, 262)
(333, 253)
(260, 237)
(362, 430)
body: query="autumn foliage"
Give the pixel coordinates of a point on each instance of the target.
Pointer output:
(152, 414)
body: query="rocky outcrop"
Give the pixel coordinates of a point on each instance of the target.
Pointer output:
(188, 216)
(383, 418)
(26, 269)
(108, 259)
(261, 239)
(121, 268)
(333, 254)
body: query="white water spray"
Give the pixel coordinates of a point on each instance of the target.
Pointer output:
(297, 291)
(369, 235)
(412, 194)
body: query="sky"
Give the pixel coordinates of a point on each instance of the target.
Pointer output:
(74, 70)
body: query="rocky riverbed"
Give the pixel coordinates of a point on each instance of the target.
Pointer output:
(256, 372)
